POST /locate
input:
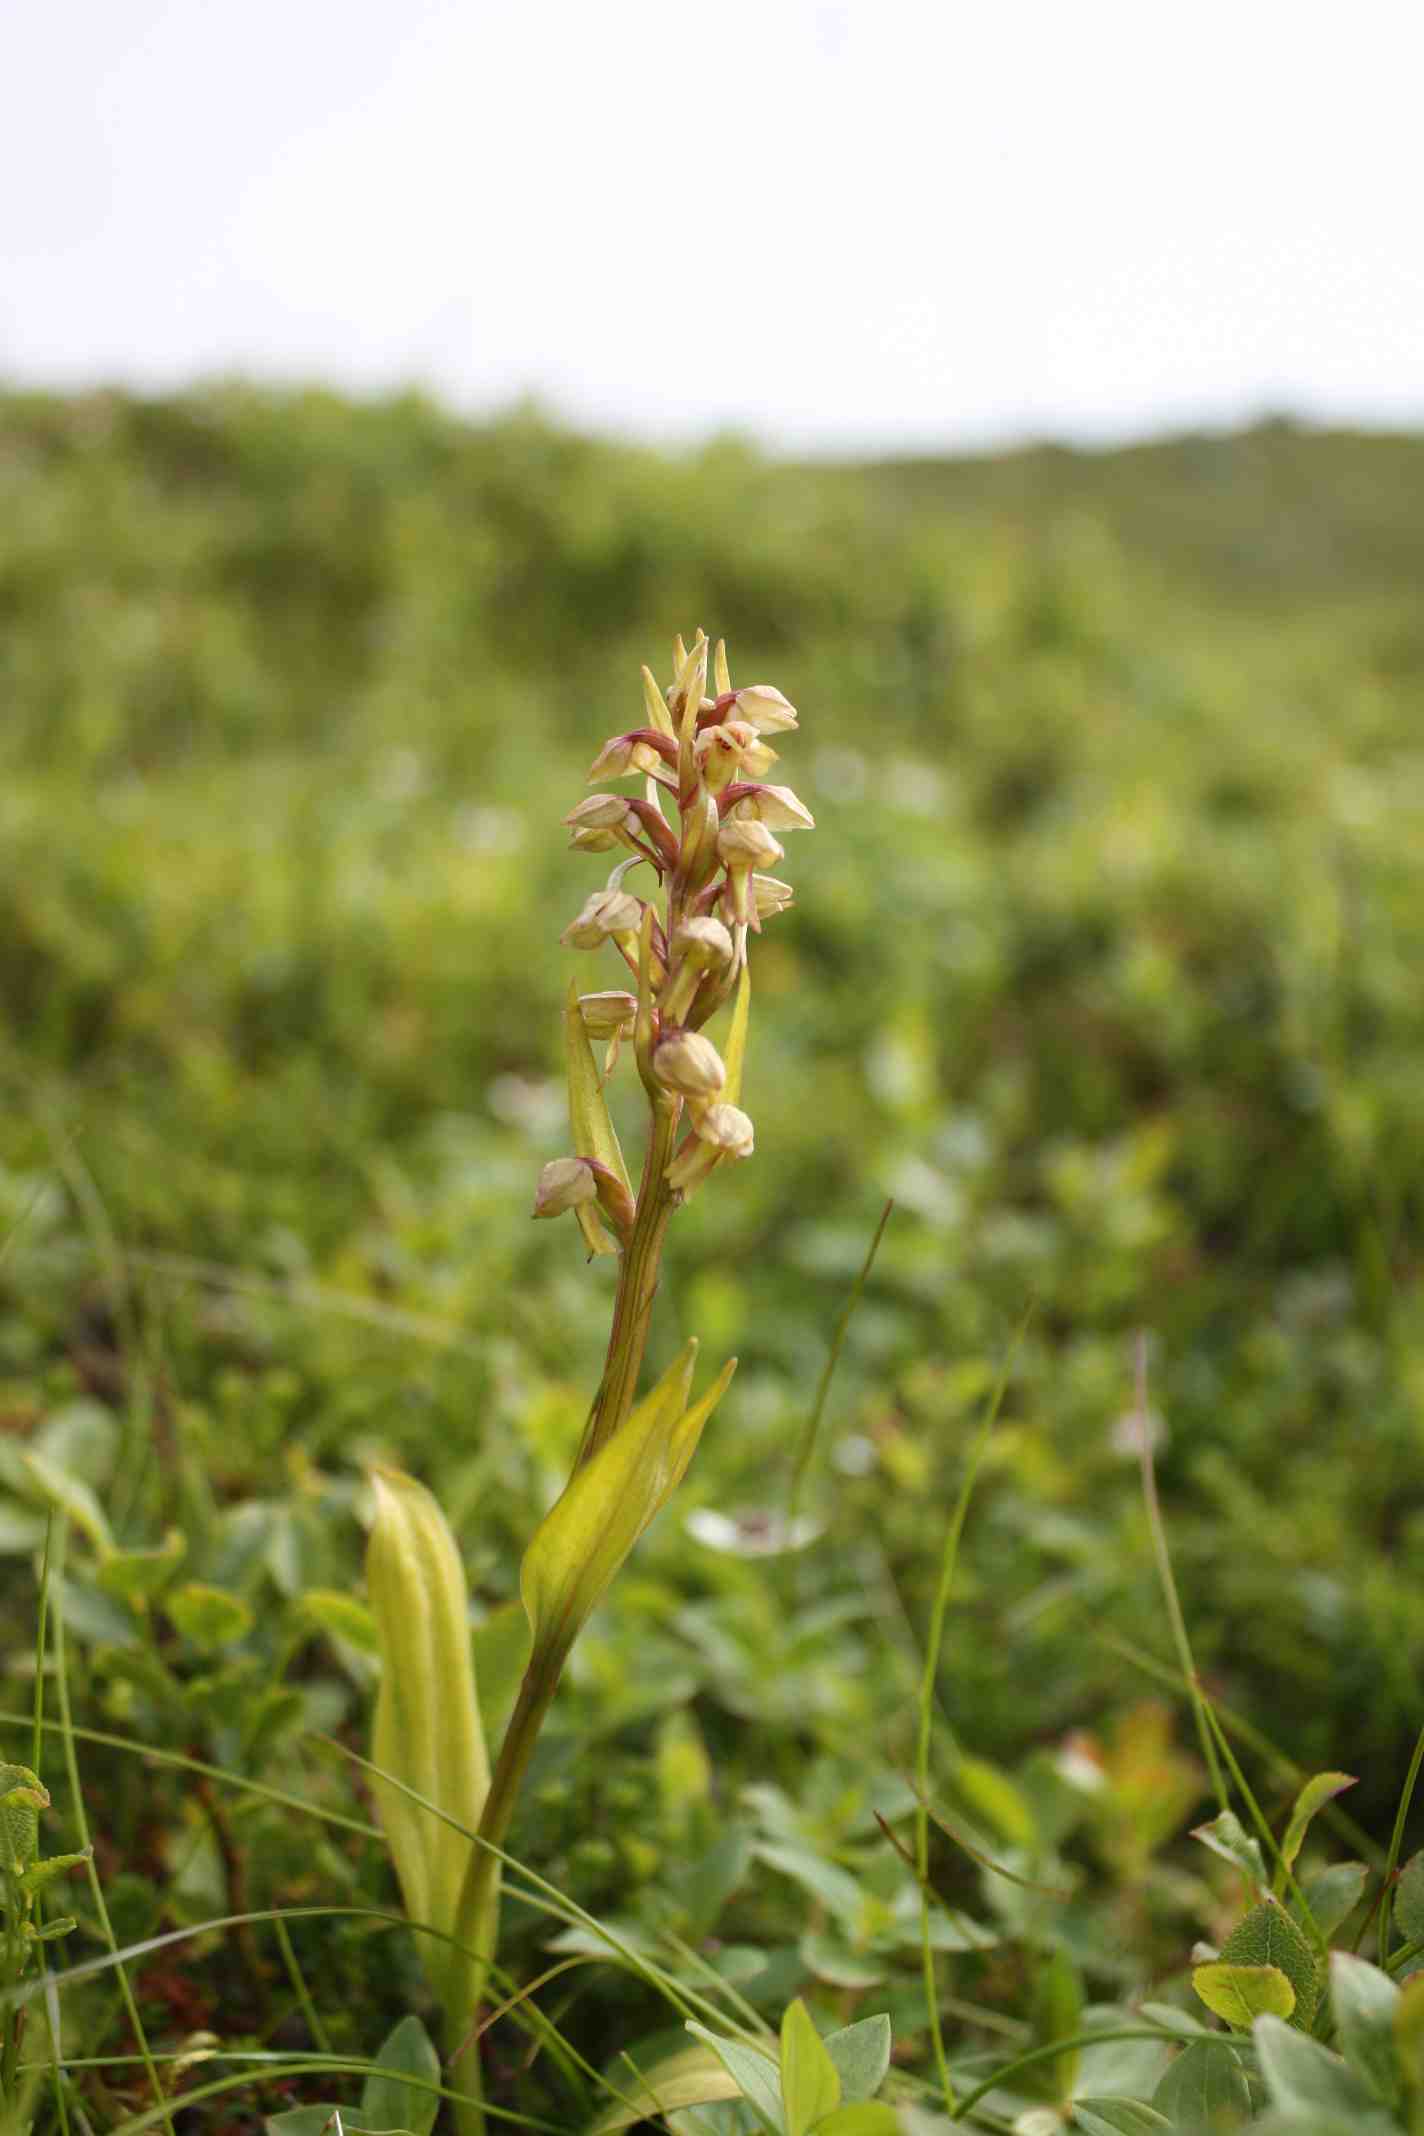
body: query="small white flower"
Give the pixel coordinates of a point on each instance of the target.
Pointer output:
(774, 805)
(770, 896)
(765, 707)
(744, 840)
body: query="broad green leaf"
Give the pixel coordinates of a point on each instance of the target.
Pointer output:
(209, 1617)
(1228, 1837)
(690, 2076)
(1058, 2015)
(755, 2074)
(1117, 2117)
(861, 2053)
(810, 2084)
(734, 1054)
(1269, 1936)
(1364, 2001)
(307, 2121)
(426, 1731)
(1409, 1899)
(1242, 1993)
(869, 2118)
(1332, 1895)
(1305, 2077)
(1312, 1797)
(388, 2100)
(608, 1502)
(1205, 2087)
(593, 1130)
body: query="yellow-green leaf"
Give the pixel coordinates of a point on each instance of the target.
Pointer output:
(810, 2084)
(608, 1502)
(735, 1053)
(427, 1731)
(693, 2076)
(588, 1110)
(1242, 1993)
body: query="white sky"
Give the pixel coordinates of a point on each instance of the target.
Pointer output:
(833, 223)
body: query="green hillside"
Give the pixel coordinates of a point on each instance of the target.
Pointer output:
(1105, 963)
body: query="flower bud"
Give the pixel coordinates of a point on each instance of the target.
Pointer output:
(700, 945)
(563, 1184)
(600, 812)
(611, 1016)
(741, 843)
(607, 912)
(774, 805)
(633, 754)
(705, 943)
(689, 1064)
(765, 707)
(719, 1133)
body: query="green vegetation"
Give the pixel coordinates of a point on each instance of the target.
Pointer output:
(1104, 963)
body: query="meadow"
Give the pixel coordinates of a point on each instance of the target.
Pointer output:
(1104, 967)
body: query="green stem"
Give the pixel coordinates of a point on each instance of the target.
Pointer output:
(637, 1287)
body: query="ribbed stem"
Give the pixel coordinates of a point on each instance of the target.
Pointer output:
(637, 1287)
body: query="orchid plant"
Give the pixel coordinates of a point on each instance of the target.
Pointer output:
(705, 823)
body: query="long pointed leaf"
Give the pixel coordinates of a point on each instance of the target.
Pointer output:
(593, 1130)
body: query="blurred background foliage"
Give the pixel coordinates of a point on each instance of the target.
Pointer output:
(1105, 963)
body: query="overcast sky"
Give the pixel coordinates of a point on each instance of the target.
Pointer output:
(832, 223)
